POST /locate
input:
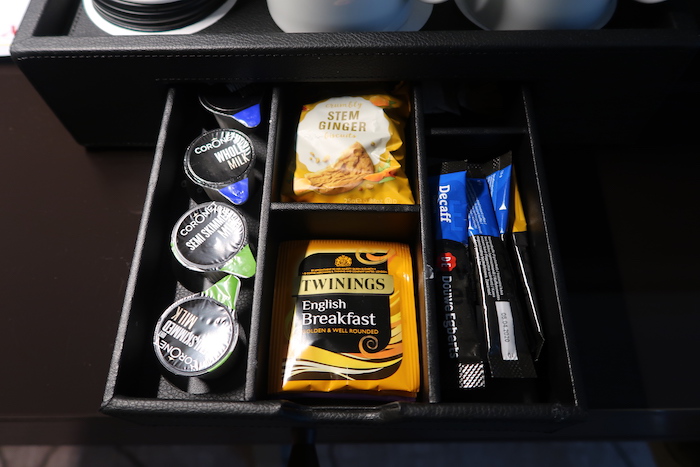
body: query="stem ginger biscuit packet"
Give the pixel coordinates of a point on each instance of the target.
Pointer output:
(350, 150)
(344, 321)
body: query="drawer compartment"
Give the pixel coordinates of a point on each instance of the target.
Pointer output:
(137, 388)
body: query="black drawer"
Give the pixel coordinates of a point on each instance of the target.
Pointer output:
(138, 391)
(623, 70)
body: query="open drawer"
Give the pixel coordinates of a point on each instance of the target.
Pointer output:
(137, 388)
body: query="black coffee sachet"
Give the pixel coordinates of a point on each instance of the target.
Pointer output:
(507, 347)
(462, 365)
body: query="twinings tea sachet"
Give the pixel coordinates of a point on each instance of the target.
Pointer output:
(350, 150)
(344, 320)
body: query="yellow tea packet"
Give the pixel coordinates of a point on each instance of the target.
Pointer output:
(344, 320)
(350, 150)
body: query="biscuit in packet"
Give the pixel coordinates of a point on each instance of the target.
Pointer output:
(350, 150)
(344, 321)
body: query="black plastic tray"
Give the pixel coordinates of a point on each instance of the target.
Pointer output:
(137, 390)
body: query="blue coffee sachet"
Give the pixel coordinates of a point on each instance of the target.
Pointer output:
(461, 362)
(499, 303)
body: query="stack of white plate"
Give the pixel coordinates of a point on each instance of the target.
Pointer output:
(120, 17)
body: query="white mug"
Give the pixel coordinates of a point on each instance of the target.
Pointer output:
(538, 14)
(350, 15)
